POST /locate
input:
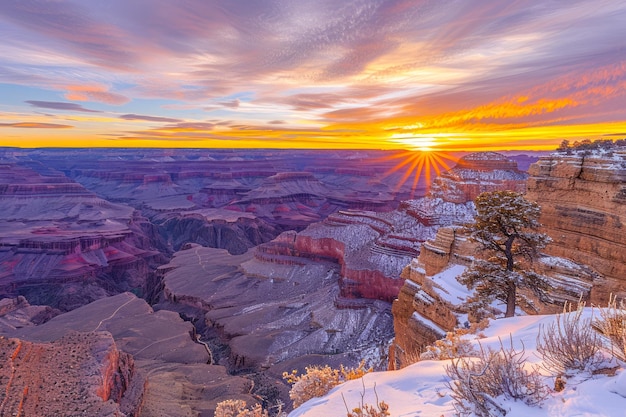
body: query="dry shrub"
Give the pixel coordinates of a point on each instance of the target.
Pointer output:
(237, 408)
(478, 382)
(367, 410)
(450, 347)
(570, 343)
(317, 381)
(612, 326)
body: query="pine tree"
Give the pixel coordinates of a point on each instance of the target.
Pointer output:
(505, 229)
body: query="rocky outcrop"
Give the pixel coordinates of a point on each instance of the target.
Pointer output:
(476, 173)
(583, 209)
(168, 373)
(583, 213)
(424, 309)
(79, 374)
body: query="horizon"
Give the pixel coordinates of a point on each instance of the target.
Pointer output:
(451, 76)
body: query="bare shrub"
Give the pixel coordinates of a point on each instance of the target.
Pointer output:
(478, 382)
(317, 381)
(367, 410)
(612, 327)
(237, 408)
(450, 347)
(570, 343)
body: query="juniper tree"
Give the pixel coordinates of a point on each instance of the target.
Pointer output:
(505, 230)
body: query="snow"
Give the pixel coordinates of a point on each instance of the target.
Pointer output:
(428, 323)
(421, 390)
(447, 285)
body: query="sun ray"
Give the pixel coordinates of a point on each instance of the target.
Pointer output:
(421, 165)
(416, 179)
(416, 160)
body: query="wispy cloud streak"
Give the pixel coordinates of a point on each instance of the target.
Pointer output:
(348, 71)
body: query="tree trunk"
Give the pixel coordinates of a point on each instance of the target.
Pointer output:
(510, 300)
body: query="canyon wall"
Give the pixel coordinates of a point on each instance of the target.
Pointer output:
(583, 209)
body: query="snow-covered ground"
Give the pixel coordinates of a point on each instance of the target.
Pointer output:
(420, 389)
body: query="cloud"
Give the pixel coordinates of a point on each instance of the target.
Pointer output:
(32, 125)
(58, 105)
(232, 104)
(95, 93)
(189, 126)
(149, 118)
(362, 65)
(73, 27)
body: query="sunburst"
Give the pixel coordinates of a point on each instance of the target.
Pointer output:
(419, 164)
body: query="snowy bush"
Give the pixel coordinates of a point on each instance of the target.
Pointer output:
(450, 347)
(237, 408)
(317, 381)
(477, 383)
(570, 343)
(612, 326)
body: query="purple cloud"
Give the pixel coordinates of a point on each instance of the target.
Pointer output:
(32, 125)
(149, 118)
(59, 105)
(232, 104)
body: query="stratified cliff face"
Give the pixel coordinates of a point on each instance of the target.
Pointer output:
(63, 246)
(477, 173)
(216, 228)
(81, 360)
(583, 209)
(424, 309)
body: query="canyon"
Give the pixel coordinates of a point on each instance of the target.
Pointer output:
(80, 226)
(210, 273)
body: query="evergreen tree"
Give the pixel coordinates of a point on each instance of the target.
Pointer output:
(505, 230)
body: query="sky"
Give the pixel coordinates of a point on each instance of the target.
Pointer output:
(448, 75)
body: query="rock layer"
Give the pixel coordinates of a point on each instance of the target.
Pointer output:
(63, 246)
(583, 209)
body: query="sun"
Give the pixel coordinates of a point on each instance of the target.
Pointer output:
(415, 142)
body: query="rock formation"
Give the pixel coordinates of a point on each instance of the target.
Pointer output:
(583, 209)
(423, 311)
(78, 374)
(139, 362)
(63, 246)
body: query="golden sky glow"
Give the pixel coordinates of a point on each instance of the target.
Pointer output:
(451, 75)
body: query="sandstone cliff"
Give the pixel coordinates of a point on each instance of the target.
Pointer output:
(63, 246)
(583, 209)
(424, 310)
